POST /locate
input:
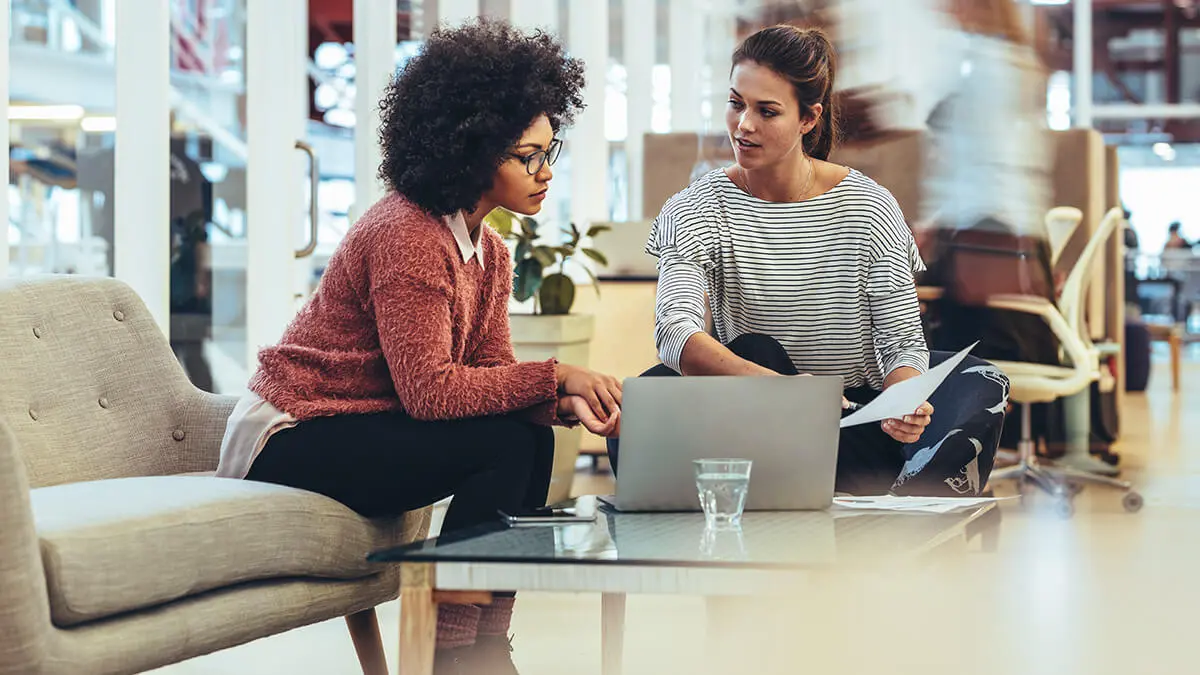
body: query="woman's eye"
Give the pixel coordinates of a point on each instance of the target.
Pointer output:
(766, 112)
(737, 105)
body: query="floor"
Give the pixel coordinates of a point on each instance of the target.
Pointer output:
(1104, 592)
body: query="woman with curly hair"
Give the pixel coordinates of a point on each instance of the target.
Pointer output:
(396, 386)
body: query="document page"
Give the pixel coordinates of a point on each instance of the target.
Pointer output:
(912, 504)
(903, 398)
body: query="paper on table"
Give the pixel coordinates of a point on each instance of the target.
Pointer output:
(911, 504)
(903, 398)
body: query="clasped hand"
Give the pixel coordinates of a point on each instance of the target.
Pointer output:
(594, 399)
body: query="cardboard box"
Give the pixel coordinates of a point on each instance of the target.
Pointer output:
(672, 160)
(895, 160)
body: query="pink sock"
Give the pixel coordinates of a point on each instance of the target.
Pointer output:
(457, 625)
(497, 616)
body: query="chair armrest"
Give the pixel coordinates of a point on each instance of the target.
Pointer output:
(415, 525)
(1080, 355)
(25, 609)
(204, 425)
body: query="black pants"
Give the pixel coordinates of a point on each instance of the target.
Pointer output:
(388, 463)
(953, 457)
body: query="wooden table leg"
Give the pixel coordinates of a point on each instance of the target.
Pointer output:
(418, 619)
(1176, 343)
(612, 633)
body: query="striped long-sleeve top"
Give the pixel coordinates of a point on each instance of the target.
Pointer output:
(830, 278)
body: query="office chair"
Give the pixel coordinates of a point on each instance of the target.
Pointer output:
(1038, 383)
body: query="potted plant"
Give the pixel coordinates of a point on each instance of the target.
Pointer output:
(554, 293)
(551, 330)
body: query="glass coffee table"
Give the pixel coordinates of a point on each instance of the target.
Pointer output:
(774, 552)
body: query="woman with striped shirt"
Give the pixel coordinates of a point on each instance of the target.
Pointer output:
(807, 268)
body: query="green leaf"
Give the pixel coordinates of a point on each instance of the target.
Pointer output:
(530, 227)
(572, 236)
(595, 280)
(501, 221)
(527, 279)
(596, 255)
(544, 255)
(557, 294)
(522, 251)
(597, 229)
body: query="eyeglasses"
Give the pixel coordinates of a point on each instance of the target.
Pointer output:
(536, 160)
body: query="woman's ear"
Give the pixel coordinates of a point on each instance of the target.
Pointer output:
(812, 119)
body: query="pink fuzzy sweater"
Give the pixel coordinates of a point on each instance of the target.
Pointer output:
(400, 322)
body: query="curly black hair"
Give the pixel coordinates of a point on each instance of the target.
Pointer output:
(454, 111)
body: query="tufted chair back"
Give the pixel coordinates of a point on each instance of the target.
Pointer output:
(90, 388)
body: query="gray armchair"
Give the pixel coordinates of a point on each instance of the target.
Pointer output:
(118, 553)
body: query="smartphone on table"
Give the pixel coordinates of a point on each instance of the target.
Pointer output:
(548, 515)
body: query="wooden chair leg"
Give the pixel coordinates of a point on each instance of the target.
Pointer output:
(368, 643)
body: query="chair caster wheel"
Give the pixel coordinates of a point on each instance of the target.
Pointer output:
(1064, 508)
(1132, 502)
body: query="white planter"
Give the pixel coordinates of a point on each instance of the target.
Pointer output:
(567, 338)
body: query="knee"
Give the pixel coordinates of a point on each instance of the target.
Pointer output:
(757, 347)
(984, 378)
(754, 342)
(986, 369)
(518, 441)
(543, 442)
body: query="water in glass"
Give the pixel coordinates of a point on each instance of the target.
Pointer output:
(722, 486)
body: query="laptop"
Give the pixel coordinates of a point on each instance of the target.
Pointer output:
(788, 426)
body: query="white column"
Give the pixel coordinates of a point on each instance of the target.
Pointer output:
(588, 36)
(417, 18)
(527, 14)
(142, 171)
(1082, 45)
(275, 68)
(4, 248)
(639, 40)
(722, 31)
(685, 26)
(374, 63)
(456, 12)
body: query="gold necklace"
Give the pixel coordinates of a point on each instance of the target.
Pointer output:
(808, 183)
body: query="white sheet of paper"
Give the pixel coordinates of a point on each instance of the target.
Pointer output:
(903, 398)
(911, 504)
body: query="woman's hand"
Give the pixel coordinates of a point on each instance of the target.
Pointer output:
(601, 392)
(909, 429)
(578, 408)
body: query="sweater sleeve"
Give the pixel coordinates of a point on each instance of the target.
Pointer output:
(495, 349)
(412, 307)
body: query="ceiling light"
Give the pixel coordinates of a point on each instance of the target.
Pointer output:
(98, 124)
(1165, 151)
(45, 112)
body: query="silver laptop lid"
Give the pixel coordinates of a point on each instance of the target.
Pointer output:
(787, 425)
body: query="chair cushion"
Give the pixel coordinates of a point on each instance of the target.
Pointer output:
(1037, 382)
(116, 545)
